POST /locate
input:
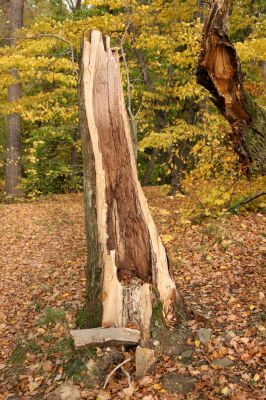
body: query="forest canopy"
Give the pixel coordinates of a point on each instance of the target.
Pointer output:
(183, 140)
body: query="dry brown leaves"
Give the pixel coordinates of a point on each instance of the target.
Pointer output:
(218, 265)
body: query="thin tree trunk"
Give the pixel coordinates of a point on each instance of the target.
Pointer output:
(127, 263)
(219, 71)
(190, 114)
(199, 11)
(150, 165)
(263, 70)
(75, 157)
(160, 119)
(179, 169)
(13, 154)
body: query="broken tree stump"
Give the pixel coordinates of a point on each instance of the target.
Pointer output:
(219, 71)
(127, 265)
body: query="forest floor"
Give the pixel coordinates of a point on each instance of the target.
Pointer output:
(219, 266)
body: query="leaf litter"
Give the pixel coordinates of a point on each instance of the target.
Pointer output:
(219, 266)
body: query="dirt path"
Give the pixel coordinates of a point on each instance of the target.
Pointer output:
(219, 267)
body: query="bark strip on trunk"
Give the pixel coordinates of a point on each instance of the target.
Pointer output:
(219, 71)
(126, 258)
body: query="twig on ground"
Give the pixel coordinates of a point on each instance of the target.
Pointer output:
(115, 369)
(127, 375)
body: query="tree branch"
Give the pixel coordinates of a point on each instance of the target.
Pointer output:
(247, 200)
(132, 116)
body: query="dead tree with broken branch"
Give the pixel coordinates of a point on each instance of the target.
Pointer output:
(219, 71)
(128, 270)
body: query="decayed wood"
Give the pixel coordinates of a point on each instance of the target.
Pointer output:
(126, 258)
(219, 71)
(105, 336)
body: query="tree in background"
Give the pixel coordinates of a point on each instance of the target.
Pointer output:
(48, 106)
(13, 152)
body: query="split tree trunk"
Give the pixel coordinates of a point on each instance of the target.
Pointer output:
(127, 263)
(13, 154)
(219, 71)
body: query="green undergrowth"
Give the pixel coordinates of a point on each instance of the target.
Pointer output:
(51, 316)
(82, 318)
(71, 360)
(20, 350)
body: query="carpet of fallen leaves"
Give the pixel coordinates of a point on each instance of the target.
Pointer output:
(219, 266)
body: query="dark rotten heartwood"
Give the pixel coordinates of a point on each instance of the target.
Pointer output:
(219, 71)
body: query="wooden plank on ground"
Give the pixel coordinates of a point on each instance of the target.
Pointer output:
(105, 336)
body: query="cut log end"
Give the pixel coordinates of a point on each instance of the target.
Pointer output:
(105, 336)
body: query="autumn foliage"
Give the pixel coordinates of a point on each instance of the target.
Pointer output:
(183, 141)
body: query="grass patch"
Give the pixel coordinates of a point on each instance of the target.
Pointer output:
(73, 361)
(82, 318)
(216, 231)
(38, 305)
(74, 368)
(212, 230)
(51, 316)
(21, 349)
(64, 347)
(48, 338)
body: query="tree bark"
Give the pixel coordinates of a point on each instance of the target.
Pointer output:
(4, 22)
(127, 263)
(13, 154)
(219, 71)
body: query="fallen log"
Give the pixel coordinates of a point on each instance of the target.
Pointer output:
(105, 336)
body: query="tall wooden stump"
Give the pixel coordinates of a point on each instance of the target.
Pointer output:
(127, 263)
(219, 71)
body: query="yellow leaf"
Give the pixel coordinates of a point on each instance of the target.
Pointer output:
(225, 391)
(244, 340)
(256, 377)
(157, 386)
(40, 330)
(167, 238)
(197, 343)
